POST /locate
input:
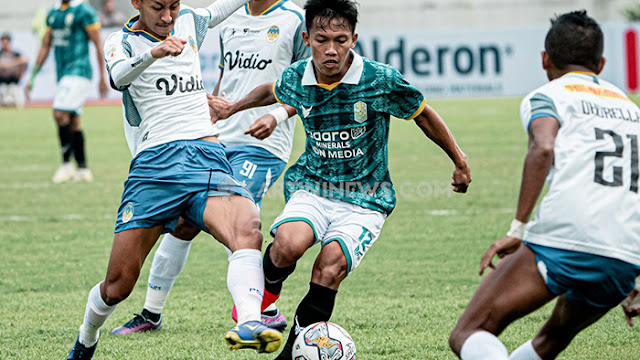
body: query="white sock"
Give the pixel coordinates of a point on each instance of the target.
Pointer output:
(95, 314)
(245, 281)
(271, 307)
(525, 352)
(167, 263)
(483, 345)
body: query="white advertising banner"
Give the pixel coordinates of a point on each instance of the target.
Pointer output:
(441, 63)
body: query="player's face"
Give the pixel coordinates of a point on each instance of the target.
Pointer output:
(6, 44)
(330, 43)
(157, 16)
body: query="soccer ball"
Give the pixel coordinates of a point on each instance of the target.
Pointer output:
(324, 341)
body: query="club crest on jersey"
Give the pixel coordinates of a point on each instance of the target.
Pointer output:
(192, 43)
(127, 213)
(68, 20)
(360, 111)
(356, 132)
(273, 33)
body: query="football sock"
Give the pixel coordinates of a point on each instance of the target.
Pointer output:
(167, 263)
(245, 281)
(95, 314)
(525, 352)
(316, 306)
(483, 345)
(77, 144)
(273, 275)
(151, 316)
(65, 135)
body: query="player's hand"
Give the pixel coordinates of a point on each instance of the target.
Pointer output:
(171, 46)
(629, 310)
(501, 247)
(263, 127)
(27, 92)
(461, 178)
(102, 88)
(219, 107)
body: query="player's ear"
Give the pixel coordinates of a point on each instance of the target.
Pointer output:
(355, 38)
(546, 61)
(601, 65)
(135, 4)
(305, 38)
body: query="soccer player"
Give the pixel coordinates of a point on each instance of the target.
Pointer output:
(273, 41)
(339, 191)
(71, 24)
(582, 246)
(179, 170)
(12, 66)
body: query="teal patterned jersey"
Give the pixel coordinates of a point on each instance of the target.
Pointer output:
(69, 24)
(347, 128)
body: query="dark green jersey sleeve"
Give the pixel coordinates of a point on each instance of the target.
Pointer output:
(87, 15)
(287, 88)
(404, 100)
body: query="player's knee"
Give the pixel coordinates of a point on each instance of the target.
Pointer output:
(456, 339)
(329, 270)
(61, 118)
(117, 291)
(285, 252)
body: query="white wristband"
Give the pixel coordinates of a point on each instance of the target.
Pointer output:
(517, 229)
(280, 113)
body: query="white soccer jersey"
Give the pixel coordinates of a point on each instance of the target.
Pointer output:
(167, 102)
(593, 204)
(256, 50)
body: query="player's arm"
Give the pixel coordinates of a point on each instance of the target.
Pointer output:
(43, 53)
(537, 164)
(435, 129)
(124, 71)
(216, 90)
(267, 123)
(220, 108)
(93, 32)
(222, 9)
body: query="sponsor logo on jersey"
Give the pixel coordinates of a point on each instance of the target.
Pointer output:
(306, 111)
(242, 61)
(192, 43)
(110, 51)
(273, 33)
(356, 132)
(360, 112)
(127, 213)
(68, 20)
(181, 84)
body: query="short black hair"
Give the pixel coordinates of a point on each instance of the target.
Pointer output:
(575, 39)
(322, 12)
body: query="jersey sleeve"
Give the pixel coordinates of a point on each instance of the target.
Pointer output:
(535, 106)
(201, 19)
(300, 50)
(116, 49)
(88, 17)
(404, 100)
(221, 65)
(285, 89)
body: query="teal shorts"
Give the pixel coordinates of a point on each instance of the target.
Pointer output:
(172, 180)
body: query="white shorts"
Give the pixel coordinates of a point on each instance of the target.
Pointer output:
(71, 93)
(353, 227)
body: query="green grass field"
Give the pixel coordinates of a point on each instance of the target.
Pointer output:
(401, 303)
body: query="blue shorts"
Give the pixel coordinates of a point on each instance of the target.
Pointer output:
(172, 180)
(256, 168)
(597, 281)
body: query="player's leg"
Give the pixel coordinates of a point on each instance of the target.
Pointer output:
(168, 261)
(66, 170)
(514, 289)
(235, 222)
(78, 148)
(128, 252)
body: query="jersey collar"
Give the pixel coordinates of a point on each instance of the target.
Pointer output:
(352, 76)
(270, 9)
(127, 29)
(584, 74)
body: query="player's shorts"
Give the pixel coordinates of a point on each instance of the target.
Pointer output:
(355, 228)
(172, 180)
(256, 168)
(597, 281)
(71, 93)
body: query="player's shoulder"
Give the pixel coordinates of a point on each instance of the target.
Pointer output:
(83, 7)
(384, 73)
(290, 9)
(297, 68)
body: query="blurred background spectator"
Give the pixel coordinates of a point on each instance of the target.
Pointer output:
(110, 16)
(12, 67)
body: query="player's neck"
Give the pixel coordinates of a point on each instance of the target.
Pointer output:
(330, 80)
(570, 69)
(259, 6)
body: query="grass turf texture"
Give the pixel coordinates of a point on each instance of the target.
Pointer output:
(401, 303)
